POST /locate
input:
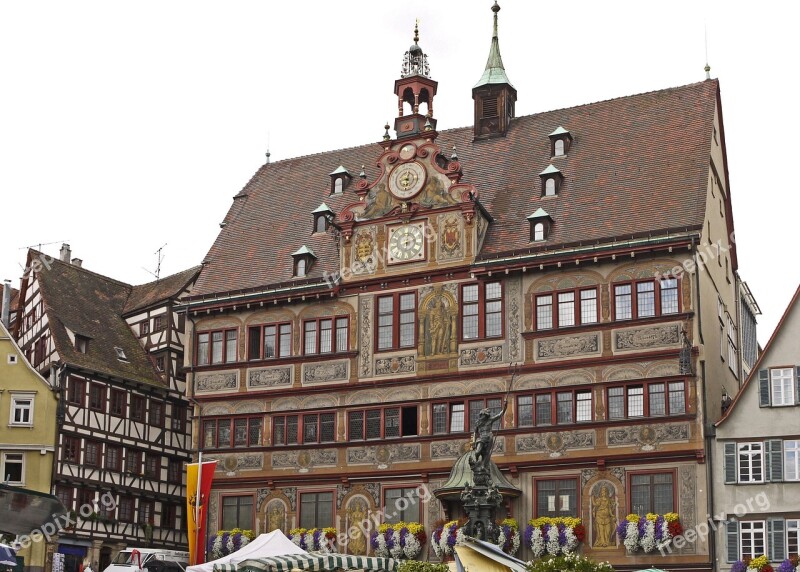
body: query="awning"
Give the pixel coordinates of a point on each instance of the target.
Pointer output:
(312, 562)
(25, 510)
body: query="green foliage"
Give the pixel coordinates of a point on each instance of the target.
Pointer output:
(569, 563)
(416, 566)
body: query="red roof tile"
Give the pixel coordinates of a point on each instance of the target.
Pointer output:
(637, 164)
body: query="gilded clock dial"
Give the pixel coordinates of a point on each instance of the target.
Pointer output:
(406, 180)
(406, 243)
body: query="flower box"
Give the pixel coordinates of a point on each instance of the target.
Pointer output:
(446, 536)
(229, 541)
(398, 540)
(650, 532)
(314, 539)
(554, 536)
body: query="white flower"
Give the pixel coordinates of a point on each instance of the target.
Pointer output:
(632, 536)
(413, 547)
(396, 549)
(537, 542)
(381, 551)
(572, 540)
(553, 547)
(648, 541)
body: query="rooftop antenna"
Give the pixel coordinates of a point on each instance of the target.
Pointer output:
(268, 153)
(160, 253)
(708, 67)
(40, 245)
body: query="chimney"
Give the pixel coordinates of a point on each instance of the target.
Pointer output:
(65, 253)
(6, 314)
(77, 262)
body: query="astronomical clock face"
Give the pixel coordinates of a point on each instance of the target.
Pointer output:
(406, 180)
(406, 243)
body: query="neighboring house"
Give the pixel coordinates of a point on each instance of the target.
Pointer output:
(114, 351)
(757, 455)
(350, 322)
(28, 404)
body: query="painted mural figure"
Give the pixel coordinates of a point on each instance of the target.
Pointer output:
(438, 328)
(379, 202)
(275, 519)
(603, 515)
(357, 543)
(483, 437)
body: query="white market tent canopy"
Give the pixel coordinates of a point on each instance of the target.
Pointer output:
(272, 543)
(313, 562)
(479, 556)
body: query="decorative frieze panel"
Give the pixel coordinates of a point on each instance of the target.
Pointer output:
(588, 474)
(365, 341)
(373, 489)
(270, 377)
(231, 464)
(291, 494)
(314, 373)
(383, 456)
(395, 365)
(648, 437)
(647, 338)
(304, 460)
(514, 291)
(448, 449)
(450, 245)
(567, 346)
(555, 444)
(688, 503)
(217, 381)
(481, 355)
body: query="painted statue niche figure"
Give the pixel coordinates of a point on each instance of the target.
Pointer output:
(483, 438)
(379, 202)
(604, 517)
(275, 518)
(437, 339)
(357, 541)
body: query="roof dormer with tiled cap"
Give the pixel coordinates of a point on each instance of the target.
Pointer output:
(552, 180)
(323, 215)
(560, 142)
(303, 259)
(540, 225)
(340, 178)
(415, 88)
(494, 95)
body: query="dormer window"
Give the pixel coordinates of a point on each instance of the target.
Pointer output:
(121, 354)
(541, 223)
(560, 142)
(303, 260)
(339, 180)
(81, 343)
(323, 215)
(551, 181)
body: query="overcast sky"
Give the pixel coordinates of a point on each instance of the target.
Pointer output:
(125, 126)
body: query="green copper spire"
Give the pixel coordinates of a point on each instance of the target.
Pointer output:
(494, 72)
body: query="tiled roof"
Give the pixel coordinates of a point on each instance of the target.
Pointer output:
(14, 299)
(637, 165)
(92, 305)
(158, 291)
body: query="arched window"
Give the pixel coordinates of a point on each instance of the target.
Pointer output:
(550, 187)
(301, 267)
(321, 225)
(338, 184)
(558, 147)
(538, 231)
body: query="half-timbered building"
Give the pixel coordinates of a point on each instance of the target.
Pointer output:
(575, 262)
(123, 429)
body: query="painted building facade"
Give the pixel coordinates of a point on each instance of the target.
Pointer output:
(576, 263)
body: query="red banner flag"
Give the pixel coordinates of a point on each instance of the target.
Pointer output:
(198, 486)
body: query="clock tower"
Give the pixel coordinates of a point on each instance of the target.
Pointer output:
(415, 88)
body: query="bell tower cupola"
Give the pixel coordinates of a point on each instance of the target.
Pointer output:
(415, 90)
(494, 95)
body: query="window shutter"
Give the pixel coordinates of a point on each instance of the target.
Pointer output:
(777, 539)
(730, 463)
(733, 540)
(797, 385)
(774, 461)
(763, 388)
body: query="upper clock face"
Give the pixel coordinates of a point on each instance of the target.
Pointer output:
(406, 180)
(407, 151)
(407, 243)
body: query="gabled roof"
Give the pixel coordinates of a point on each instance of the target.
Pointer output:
(762, 357)
(78, 301)
(161, 290)
(638, 165)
